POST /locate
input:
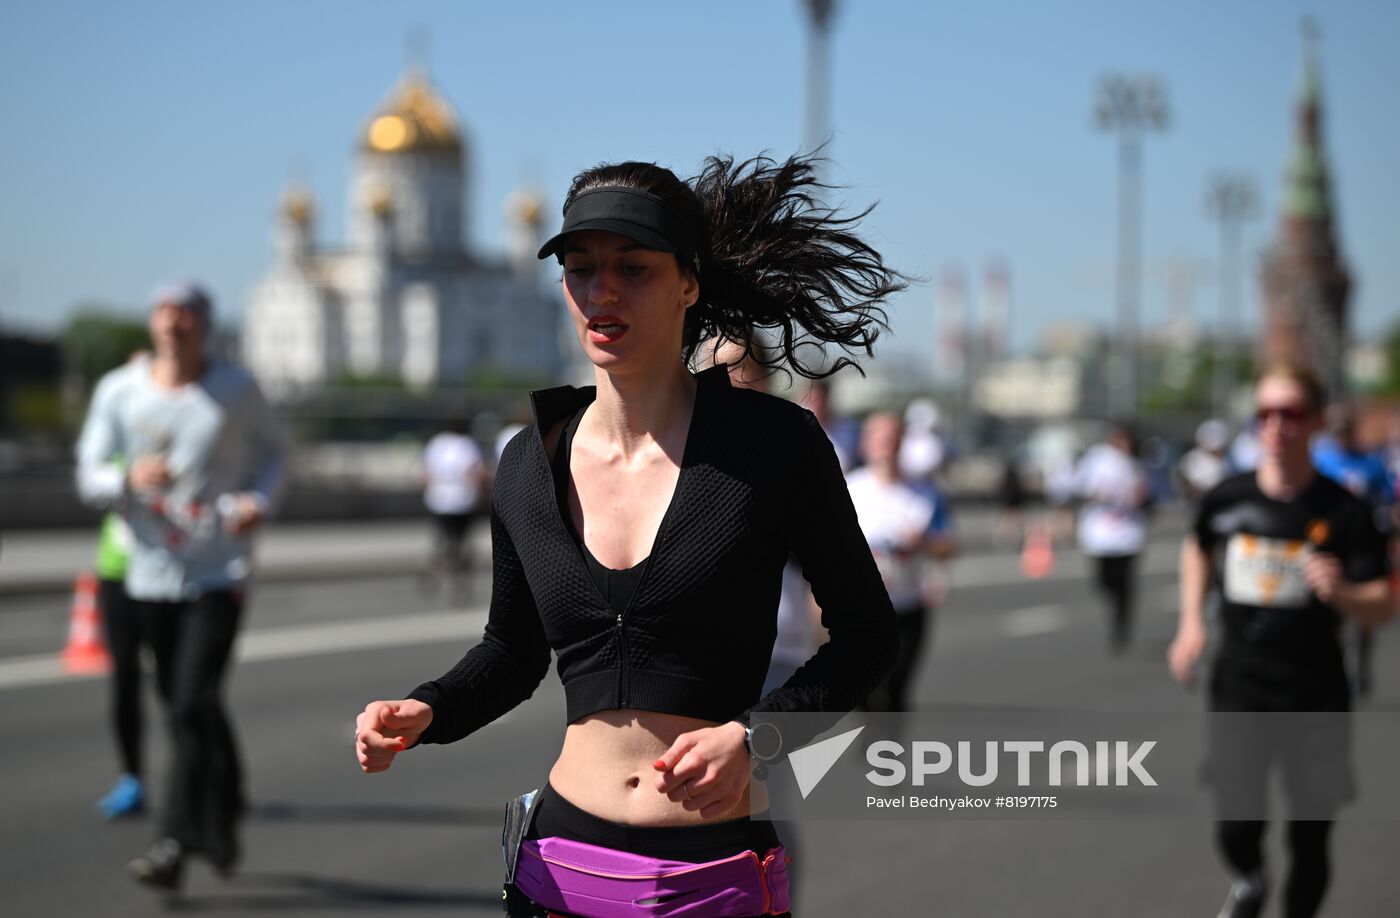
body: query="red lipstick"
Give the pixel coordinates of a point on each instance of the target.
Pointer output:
(605, 329)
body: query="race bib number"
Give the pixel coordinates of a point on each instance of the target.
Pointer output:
(1266, 572)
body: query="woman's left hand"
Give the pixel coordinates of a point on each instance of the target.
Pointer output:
(706, 770)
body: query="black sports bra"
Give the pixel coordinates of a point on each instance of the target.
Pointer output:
(616, 586)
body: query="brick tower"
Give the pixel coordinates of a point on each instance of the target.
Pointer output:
(1305, 279)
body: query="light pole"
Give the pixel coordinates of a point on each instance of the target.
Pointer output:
(1230, 199)
(1128, 106)
(819, 16)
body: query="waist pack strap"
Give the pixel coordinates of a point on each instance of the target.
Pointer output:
(576, 877)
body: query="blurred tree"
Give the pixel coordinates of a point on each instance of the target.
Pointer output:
(31, 370)
(98, 339)
(36, 408)
(1191, 392)
(380, 381)
(1392, 357)
(494, 378)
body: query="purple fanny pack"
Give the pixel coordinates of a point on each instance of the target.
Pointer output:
(579, 878)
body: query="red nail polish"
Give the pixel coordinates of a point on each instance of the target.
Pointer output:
(659, 764)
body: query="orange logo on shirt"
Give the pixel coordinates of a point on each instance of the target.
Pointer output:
(1318, 531)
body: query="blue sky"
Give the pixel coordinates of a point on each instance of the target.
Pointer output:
(151, 139)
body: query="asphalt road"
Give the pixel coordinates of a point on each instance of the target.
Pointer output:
(423, 839)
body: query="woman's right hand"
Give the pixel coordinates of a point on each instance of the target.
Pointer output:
(386, 728)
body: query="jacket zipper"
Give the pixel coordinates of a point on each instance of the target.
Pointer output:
(623, 683)
(621, 661)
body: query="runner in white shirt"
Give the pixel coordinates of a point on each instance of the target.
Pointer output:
(454, 478)
(187, 450)
(906, 530)
(1112, 524)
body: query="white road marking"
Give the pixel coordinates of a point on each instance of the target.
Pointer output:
(282, 643)
(360, 634)
(1035, 620)
(21, 672)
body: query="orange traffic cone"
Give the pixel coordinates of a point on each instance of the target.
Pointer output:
(86, 652)
(1038, 556)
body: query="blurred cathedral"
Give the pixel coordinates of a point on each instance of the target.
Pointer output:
(407, 298)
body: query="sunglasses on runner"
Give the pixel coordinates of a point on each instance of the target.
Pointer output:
(1289, 414)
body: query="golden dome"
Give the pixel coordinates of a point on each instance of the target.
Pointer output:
(298, 204)
(524, 206)
(414, 118)
(380, 201)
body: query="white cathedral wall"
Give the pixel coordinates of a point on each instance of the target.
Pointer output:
(425, 193)
(456, 330)
(257, 348)
(421, 332)
(488, 308)
(530, 326)
(364, 350)
(367, 182)
(363, 287)
(284, 334)
(489, 319)
(433, 331)
(333, 333)
(441, 228)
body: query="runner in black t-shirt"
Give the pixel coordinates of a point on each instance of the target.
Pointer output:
(1293, 554)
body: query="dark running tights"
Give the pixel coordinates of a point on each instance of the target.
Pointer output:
(1241, 843)
(893, 693)
(121, 625)
(193, 645)
(1115, 577)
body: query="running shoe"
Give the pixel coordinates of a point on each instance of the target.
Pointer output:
(1246, 898)
(162, 866)
(224, 857)
(126, 798)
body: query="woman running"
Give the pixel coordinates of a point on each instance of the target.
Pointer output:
(640, 528)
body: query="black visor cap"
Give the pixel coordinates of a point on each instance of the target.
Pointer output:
(638, 215)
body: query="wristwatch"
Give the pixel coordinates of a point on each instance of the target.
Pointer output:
(764, 742)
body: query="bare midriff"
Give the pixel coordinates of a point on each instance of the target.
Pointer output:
(605, 768)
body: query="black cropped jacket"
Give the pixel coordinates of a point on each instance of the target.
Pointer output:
(759, 481)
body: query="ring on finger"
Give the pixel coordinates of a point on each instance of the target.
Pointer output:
(686, 787)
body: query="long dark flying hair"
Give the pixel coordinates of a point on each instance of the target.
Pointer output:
(774, 261)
